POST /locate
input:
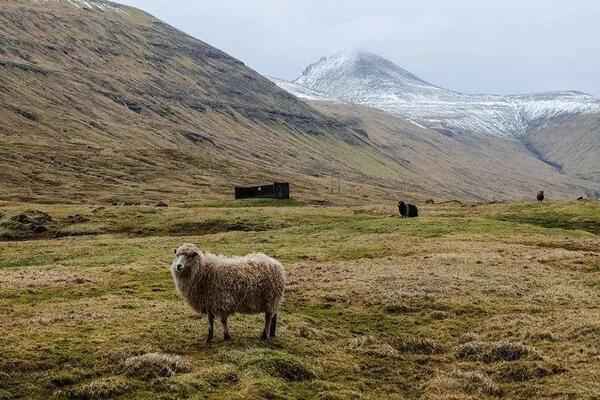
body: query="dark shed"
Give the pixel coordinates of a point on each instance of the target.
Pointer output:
(278, 190)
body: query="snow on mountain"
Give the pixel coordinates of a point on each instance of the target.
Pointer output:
(301, 91)
(368, 79)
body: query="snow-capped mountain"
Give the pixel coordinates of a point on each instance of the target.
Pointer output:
(364, 78)
(300, 91)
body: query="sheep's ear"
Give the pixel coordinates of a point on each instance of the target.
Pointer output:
(175, 251)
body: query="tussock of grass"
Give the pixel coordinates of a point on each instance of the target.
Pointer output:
(495, 351)
(282, 365)
(417, 345)
(65, 378)
(224, 375)
(544, 336)
(308, 332)
(99, 389)
(525, 371)
(155, 365)
(468, 337)
(370, 345)
(458, 382)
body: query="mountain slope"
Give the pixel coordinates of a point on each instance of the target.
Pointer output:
(105, 103)
(486, 167)
(363, 78)
(572, 144)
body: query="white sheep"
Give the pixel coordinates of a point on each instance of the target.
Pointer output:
(221, 286)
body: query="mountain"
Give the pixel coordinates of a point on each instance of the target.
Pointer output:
(102, 102)
(470, 167)
(300, 91)
(364, 78)
(572, 145)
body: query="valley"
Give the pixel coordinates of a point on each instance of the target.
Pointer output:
(474, 302)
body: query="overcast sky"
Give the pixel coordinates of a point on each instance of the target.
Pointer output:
(499, 46)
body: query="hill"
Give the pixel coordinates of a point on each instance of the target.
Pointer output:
(104, 103)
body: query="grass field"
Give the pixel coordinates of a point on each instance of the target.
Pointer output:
(474, 302)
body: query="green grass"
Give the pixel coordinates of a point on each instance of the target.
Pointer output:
(377, 307)
(581, 216)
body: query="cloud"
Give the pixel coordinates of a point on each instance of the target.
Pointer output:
(501, 46)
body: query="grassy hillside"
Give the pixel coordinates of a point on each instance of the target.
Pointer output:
(102, 105)
(572, 145)
(112, 105)
(476, 302)
(468, 167)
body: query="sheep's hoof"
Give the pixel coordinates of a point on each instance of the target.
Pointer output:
(265, 337)
(209, 339)
(227, 338)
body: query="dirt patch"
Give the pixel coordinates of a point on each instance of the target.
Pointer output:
(20, 279)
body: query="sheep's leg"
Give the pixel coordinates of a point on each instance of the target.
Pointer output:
(211, 327)
(226, 334)
(266, 335)
(274, 326)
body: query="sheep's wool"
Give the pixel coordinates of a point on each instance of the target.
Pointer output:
(223, 285)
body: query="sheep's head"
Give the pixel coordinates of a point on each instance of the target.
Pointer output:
(187, 256)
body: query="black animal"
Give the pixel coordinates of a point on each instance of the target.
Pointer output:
(413, 211)
(407, 210)
(540, 196)
(403, 209)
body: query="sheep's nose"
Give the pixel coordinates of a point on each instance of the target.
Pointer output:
(179, 267)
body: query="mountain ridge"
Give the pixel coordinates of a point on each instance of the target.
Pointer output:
(365, 78)
(103, 106)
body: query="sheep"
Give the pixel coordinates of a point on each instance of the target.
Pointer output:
(220, 286)
(540, 196)
(413, 211)
(407, 210)
(402, 209)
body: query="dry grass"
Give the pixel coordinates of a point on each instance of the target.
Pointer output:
(98, 389)
(155, 365)
(494, 352)
(455, 305)
(462, 384)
